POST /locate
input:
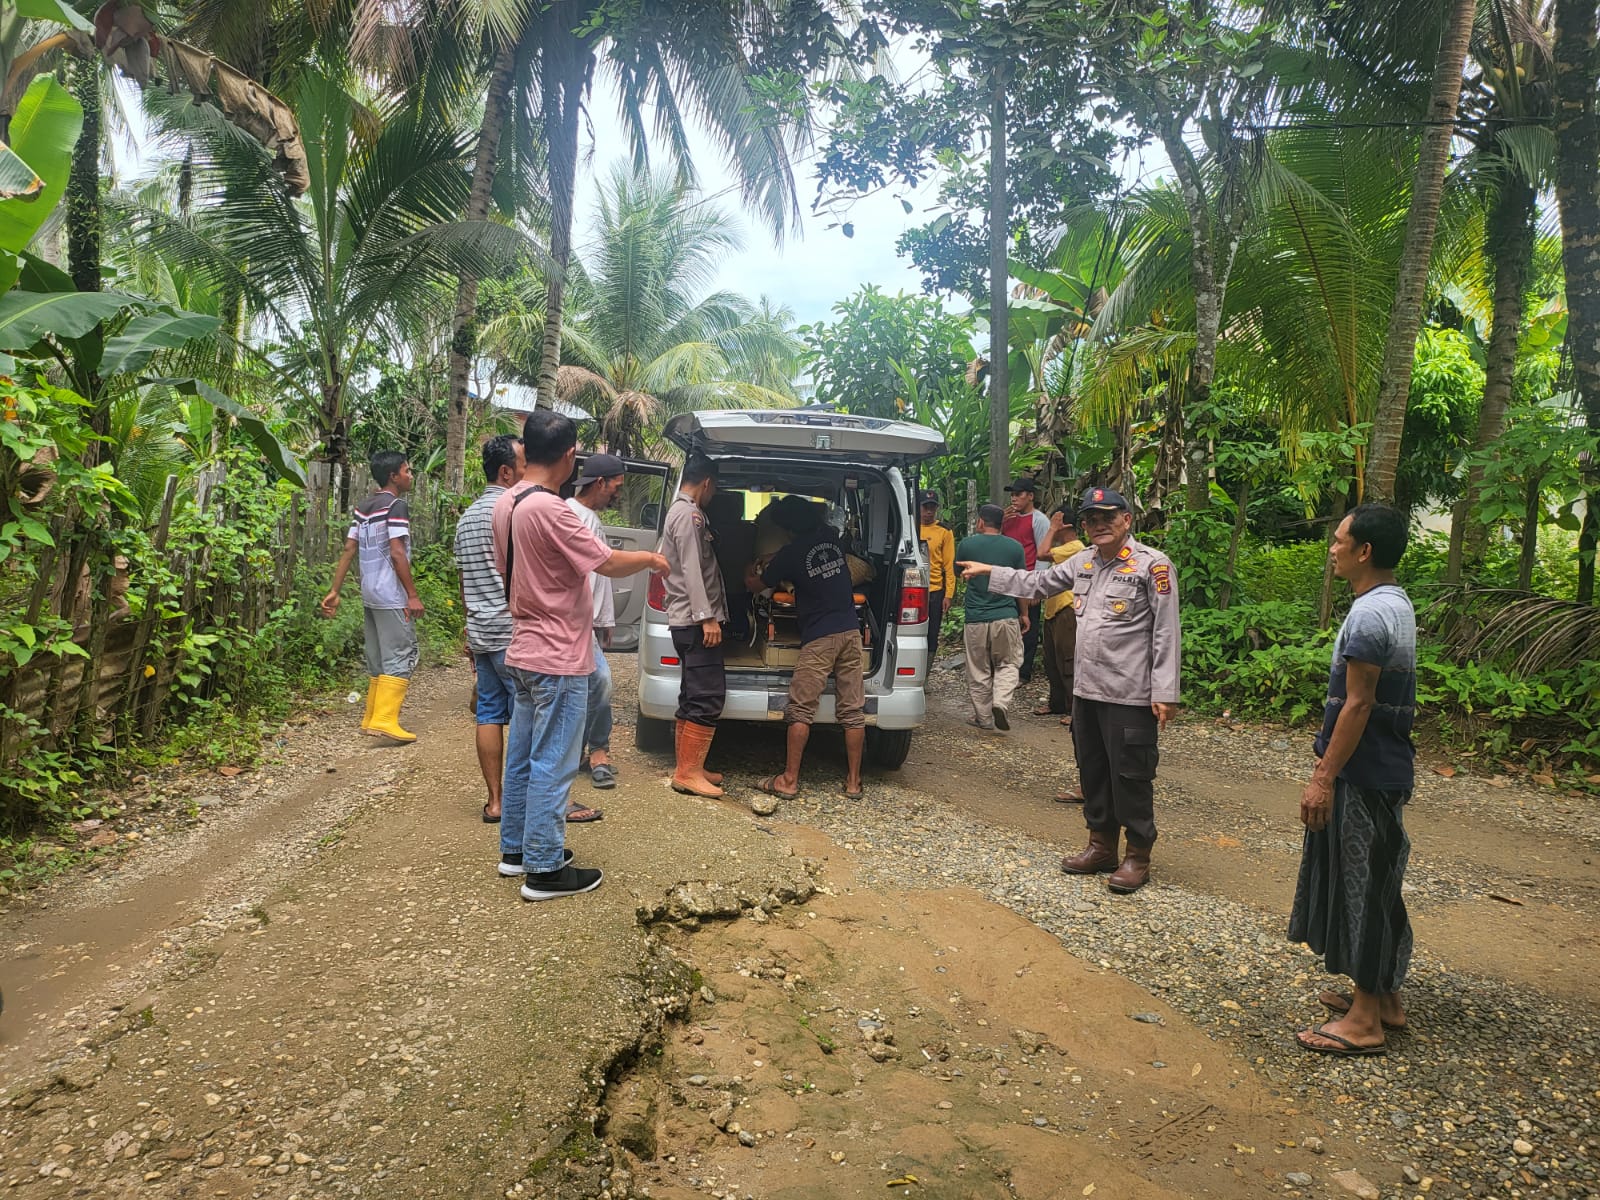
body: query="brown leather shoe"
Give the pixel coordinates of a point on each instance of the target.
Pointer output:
(1134, 872)
(1099, 855)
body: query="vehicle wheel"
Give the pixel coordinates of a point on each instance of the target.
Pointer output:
(651, 735)
(888, 747)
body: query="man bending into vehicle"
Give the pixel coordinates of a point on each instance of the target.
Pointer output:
(830, 640)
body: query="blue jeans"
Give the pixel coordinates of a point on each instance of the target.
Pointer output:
(497, 692)
(542, 751)
(597, 728)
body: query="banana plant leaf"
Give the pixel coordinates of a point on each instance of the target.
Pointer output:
(58, 11)
(34, 168)
(143, 336)
(27, 318)
(283, 460)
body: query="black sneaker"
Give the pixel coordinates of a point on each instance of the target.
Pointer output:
(511, 864)
(1000, 719)
(553, 885)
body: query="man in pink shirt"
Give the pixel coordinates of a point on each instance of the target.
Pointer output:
(546, 553)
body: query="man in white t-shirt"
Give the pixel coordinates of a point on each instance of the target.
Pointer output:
(599, 481)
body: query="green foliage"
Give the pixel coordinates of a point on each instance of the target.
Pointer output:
(1286, 574)
(43, 131)
(1198, 543)
(861, 359)
(1264, 659)
(1543, 448)
(442, 627)
(888, 135)
(1269, 660)
(961, 415)
(1441, 417)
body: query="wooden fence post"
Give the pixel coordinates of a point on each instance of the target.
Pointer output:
(290, 546)
(36, 601)
(319, 481)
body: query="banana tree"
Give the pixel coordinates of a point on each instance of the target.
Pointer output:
(33, 32)
(102, 342)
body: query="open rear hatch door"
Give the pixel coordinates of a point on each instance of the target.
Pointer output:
(805, 433)
(633, 522)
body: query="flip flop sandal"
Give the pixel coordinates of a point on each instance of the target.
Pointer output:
(603, 776)
(1345, 1048)
(1348, 1001)
(1044, 710)
(769, 785)
(859, 794)
(487, 819)
(582, 813)
(1067, 721)
(1068, 798)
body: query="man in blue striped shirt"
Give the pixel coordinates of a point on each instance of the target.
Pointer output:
(380, 532)
(483, 598)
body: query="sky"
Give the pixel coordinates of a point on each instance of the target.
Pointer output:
(815, 267)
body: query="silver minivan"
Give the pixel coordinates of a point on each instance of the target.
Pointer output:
(864, 470)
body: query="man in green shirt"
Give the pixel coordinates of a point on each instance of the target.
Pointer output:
(995, 625)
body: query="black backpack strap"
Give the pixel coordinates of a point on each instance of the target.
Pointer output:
(511, 539)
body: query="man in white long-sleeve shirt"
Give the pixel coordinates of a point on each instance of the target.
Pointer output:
(599, 481)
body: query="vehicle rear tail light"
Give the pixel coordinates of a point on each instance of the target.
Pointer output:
(913, 596)
(905, 671)
(656, 597)
(669, 662)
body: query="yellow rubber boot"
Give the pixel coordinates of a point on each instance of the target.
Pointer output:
(372, 699)
(386, 710)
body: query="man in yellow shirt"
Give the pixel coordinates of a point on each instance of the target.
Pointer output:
(941, 565)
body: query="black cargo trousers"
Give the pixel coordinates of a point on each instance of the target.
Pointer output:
(1117, 755)
(703, 684)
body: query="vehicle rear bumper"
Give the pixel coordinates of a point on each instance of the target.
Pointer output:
(763, 695)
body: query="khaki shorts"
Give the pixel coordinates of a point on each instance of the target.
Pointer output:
(839, 655)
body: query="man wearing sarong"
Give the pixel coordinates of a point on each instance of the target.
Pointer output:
(1347, 903)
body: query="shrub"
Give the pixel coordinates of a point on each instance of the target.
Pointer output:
(1265, 659)
(1284, 574)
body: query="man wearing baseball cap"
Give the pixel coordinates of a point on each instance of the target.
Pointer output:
(1125, 686)
(941, 565)
(599, 481)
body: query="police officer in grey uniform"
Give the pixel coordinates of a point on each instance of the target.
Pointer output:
(1125, 687)
(697, 608)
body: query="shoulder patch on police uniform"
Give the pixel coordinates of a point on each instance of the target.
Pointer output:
(1125, 553)
(697, 517)
(1162, 575)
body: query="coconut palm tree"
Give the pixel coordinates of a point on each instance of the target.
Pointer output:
(1422, 218)
(1306, 309)
(1508, 104)
(645, 336)
(356, 261)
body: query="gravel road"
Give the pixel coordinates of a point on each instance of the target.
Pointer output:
(309, 967)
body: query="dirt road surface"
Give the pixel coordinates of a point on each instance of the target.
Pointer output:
(314, 984)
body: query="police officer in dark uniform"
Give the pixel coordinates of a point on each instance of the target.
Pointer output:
(697, 609)
(1125, 686)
